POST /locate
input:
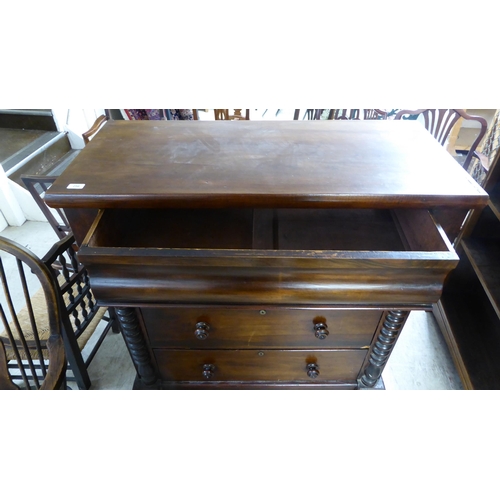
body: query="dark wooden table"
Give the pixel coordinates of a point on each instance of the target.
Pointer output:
(265, 254)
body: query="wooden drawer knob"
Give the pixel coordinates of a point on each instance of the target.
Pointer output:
(208, 371)
(202, 329)
(321, 331)
(312, 370)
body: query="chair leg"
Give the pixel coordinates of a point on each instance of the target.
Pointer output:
(76, 363)
(64, 385)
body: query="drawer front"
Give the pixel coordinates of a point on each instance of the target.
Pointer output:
(322, 258)
(259, 365)
(235, 328)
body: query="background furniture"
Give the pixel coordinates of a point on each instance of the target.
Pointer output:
(341, 114)
(83, 317)
(96, 126)
(77, 310)
(285, 262)
(469, 310)
(357, 114)
(440, 122)
(37, 185)
(490, 146)
(308, 114)
(31, 343)
(224, 114)
(375, 114)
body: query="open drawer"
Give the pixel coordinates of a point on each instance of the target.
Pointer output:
(260, 256)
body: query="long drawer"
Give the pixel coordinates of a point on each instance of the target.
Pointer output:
(261, 257)
(207, 327)
(259, 365)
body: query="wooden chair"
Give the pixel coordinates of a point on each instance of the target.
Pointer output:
(375, 114)
(96, 126)
(357, 114)
(308, 114)
(223, 114)
(54, 377)
(37, 185)
(78, 312)
(490, 148)
(440, 122)
(31, 350)
(342, 114)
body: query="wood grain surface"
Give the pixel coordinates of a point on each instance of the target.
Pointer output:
(380, 164)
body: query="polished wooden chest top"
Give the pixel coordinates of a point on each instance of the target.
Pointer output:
(265, 164)
(265, 254)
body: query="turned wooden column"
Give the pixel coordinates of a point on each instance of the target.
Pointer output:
(136, 345)
(384, 344)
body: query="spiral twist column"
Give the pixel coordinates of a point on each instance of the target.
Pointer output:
(386, 339)
(136, 345)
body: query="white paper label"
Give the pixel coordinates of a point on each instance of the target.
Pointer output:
(75, 186)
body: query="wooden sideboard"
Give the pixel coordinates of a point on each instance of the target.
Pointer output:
(469, 309)
(265, 254)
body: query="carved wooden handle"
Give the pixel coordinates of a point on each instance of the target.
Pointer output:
(202, 329)
(208, 371)
(321, 331)
(312, 370)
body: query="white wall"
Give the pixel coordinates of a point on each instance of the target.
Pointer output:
(16, 204)
(75, 122)
(9, 205)
(30, 209)
(3, 222)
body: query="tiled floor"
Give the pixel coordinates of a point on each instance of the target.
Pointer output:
(420, 359)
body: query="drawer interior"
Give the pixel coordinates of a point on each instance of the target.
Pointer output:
(269, 229)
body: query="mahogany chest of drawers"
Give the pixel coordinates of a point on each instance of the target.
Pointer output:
(265, 254)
